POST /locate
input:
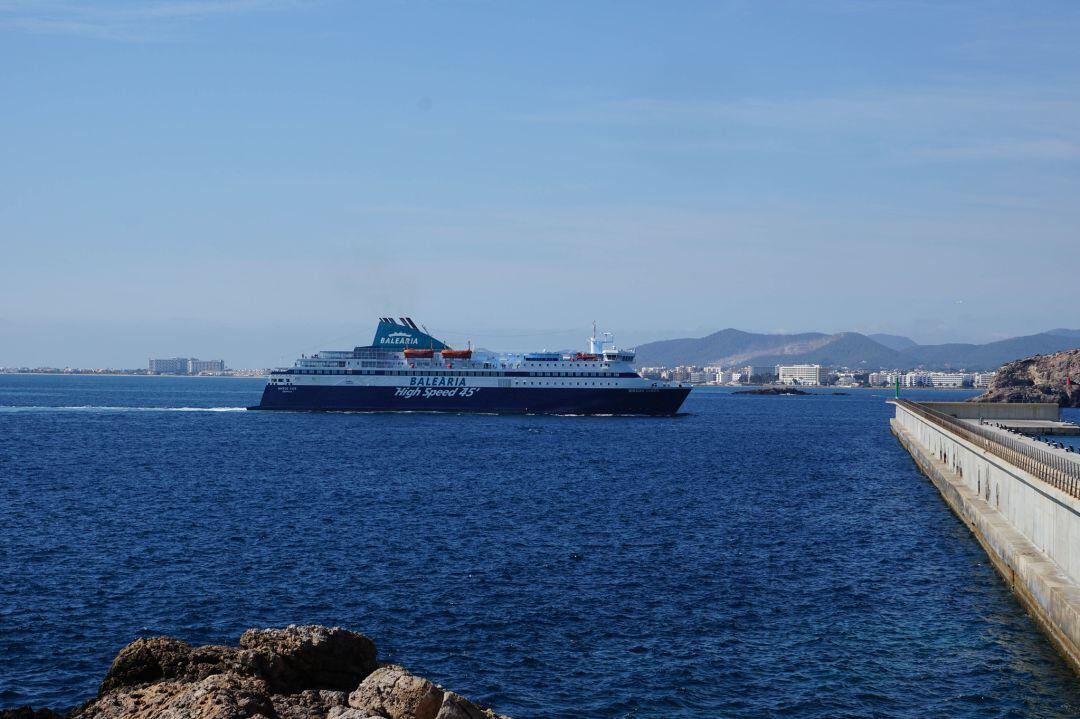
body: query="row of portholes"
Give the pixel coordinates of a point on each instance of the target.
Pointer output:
(567, 384)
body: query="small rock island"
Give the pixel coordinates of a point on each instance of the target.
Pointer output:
(1042, 378)
(300, 672)
(772, 391)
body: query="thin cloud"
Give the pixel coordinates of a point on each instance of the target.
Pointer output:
(1033, 150)
(136, 20)
(870, 111)
(917, 125)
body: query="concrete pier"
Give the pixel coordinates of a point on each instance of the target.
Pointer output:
(1022, 504)
(1026, 418)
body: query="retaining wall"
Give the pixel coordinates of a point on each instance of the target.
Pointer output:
(998, 410)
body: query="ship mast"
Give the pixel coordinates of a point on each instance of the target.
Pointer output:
(596, 343)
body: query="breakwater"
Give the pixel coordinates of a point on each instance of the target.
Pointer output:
(1021, 502)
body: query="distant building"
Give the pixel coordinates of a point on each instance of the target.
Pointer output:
(916, 379)
(950, 379)
(804, 374)
(197, 366)
(185, 365)
(982, 379)
(652, 372)
(761, 373)
(922, 378)
(173, 365)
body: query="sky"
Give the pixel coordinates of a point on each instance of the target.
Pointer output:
(253, 179)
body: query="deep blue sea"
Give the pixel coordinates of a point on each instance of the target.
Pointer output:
(757, 557)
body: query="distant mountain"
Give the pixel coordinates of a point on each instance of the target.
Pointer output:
(990, 355)
(727, 347)
(894, 342)
(847, 349)
(733, 348)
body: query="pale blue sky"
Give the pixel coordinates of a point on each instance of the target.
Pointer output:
(253, 179)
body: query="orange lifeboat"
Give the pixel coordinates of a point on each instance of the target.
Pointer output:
(419, 354)
(457, 354)
(586, 356)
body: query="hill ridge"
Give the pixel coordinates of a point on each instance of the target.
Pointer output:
(733, 347)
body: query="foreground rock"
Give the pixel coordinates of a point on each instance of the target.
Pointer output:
(1042, 378)
(301, 672)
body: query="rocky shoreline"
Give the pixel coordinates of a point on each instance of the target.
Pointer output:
(300, 672)
(1042, 378)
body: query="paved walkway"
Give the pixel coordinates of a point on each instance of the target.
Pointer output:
(1046, 447)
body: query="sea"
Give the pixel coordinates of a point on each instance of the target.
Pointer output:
(757, 556)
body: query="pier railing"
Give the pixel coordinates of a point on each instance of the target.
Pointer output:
(1060, 472)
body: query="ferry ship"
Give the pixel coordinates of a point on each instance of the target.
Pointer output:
(407, 369)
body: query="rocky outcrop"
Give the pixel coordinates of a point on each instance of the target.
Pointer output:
(317, 658)
(301, 672)
(28, 713)
(772, 391)
(1042, 378)
(391, 691)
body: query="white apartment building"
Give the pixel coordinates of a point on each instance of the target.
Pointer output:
(196, 366)
(921, 378)
(804, 374)
(935, 379)
(171, 365)
(185, 365)
(949, 379)
(916, 379)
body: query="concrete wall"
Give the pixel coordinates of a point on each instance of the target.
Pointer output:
(998, 410)
(1030, 529)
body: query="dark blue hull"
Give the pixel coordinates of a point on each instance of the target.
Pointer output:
(509, 400)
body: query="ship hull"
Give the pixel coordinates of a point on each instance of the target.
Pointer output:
(496, 400)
